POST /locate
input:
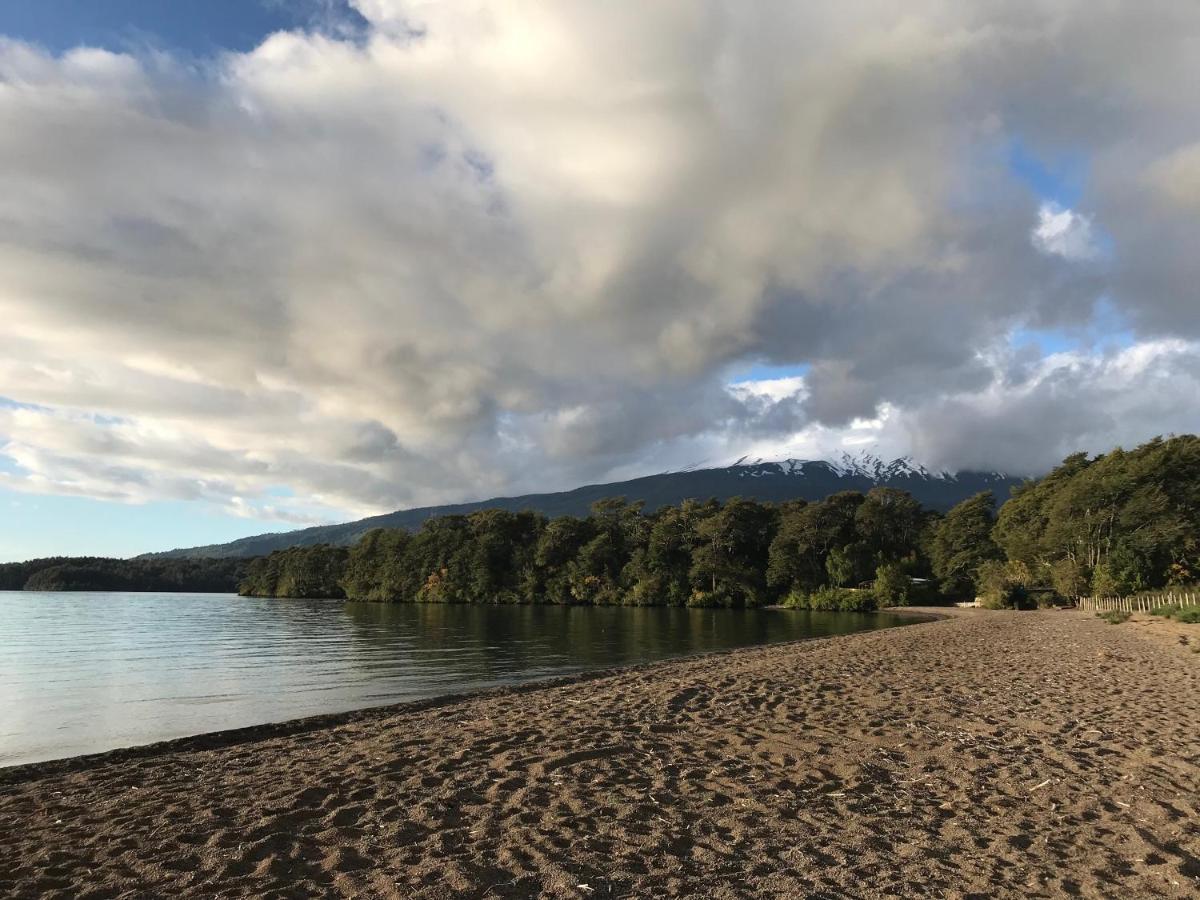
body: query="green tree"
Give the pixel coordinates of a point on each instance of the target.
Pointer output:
(557, 547)
(840, 567)
(660, 573)
(1126, 520)
(306, 572)
(376, 567)
(888, 525)
(1069, 578)
(729, 562)
(962, 542)
(807, 534)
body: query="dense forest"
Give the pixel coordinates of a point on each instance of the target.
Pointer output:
(95, 573)
(740, 553)
(1121, 522)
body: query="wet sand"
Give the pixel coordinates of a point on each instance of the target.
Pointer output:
(982, 755)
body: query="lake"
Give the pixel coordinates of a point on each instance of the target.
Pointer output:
(82, 673)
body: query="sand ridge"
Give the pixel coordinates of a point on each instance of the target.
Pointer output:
(983, 755)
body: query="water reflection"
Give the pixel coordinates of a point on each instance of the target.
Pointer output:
(81, 673)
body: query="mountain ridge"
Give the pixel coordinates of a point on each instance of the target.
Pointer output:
(777, 481)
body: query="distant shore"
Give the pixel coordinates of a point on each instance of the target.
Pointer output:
(988, 753)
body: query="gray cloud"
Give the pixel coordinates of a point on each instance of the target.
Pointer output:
(1070, 402)
(522, 245)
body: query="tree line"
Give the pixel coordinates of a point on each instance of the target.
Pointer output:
(1120, 522)
(97, 573)
(849, 551)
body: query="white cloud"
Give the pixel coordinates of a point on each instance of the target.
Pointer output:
(516, 246)
(1064, 232)
(774, 389)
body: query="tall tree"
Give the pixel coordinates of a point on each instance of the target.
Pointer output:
(729, 562)
(962, 542)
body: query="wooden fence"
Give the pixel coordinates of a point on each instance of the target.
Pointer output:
(1142, 603)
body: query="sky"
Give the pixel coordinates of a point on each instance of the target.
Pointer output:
(269, 264)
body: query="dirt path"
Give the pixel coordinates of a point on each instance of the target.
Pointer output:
(984, 755)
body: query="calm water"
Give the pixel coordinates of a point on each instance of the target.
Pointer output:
(81, 673)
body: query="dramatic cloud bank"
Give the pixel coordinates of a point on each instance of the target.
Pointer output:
(500, 246)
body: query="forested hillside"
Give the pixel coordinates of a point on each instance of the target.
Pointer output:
(774, 482)
(1124, 521)
(94, 573)
(1120, 523)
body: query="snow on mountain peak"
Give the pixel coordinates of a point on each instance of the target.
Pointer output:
(863, 464)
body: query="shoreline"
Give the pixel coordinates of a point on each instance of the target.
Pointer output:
(232, 737)
(985, 753)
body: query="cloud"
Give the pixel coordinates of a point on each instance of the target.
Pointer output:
(500, 247)
(1061, 404)
(1065, 233)
(1028, 415)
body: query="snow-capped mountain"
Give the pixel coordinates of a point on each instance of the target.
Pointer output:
(860, 465)
(767, 480)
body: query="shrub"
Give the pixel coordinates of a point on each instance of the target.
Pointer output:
(832, 599)
(839, 565)
(1047, 599)
(1069, 578)
(893, 586)
(1004, 585)
(1115, 616)
(718, 598)
(1189, 615)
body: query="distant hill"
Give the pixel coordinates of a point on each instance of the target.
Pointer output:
(790, 479)
(99, 573)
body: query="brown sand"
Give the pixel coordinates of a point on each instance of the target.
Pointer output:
(984, 755)
(1168, 631)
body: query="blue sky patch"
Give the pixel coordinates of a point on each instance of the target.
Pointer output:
(766, 371)
(196, 27)
(1108, 329)
(1058, 179)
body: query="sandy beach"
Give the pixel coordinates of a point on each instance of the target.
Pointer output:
(985, 754)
